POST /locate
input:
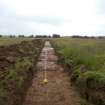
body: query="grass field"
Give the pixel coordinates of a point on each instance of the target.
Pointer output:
(9, 41)
(86, 60)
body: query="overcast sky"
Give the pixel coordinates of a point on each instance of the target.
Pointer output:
(65, 17)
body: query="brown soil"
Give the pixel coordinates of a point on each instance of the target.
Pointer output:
(10, 54)
(58, 90)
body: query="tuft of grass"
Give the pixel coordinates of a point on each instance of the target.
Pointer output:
(13, 82)
(84, 102)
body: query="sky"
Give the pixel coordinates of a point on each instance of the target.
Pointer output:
(45, 17)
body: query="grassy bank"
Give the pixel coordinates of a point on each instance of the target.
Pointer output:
(19, 66)
(85, 58)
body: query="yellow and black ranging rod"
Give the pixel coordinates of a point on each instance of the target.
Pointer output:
(45, 80)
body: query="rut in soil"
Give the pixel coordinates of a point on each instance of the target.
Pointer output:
(58, 90)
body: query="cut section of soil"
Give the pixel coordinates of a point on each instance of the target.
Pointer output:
(58, 90)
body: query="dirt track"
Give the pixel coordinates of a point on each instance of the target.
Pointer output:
(58, 90)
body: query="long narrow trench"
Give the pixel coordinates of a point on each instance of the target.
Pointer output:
(57, 90)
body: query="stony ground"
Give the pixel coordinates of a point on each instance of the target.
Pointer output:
(58, 90)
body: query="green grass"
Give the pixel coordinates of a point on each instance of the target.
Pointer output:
(9, 41)
(86, 60)
(88, 52)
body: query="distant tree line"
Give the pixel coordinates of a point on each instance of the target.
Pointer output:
(87, 37)
(56, 36)
(43, 36)
(48, 36)
(51, 36)
(32, 36)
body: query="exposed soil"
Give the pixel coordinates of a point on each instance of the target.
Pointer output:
(17, 69)
(58, 90)
(9, 54)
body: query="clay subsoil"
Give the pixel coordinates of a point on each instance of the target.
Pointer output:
(58, 89)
